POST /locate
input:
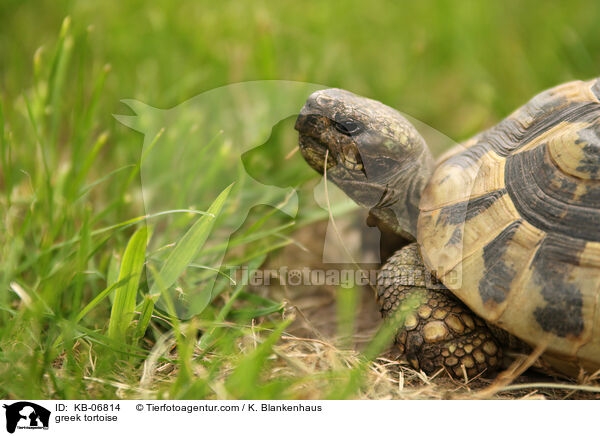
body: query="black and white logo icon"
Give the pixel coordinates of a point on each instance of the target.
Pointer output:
(26, 415)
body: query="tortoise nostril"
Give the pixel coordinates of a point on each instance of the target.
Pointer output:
(307, 123)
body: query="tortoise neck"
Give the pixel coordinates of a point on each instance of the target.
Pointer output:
(406, 188)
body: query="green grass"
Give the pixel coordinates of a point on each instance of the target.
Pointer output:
(79, 316)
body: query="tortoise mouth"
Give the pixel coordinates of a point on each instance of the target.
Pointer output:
(317, 140)
(317, 137)
(346, 165)
(312, 148)
(314, 152)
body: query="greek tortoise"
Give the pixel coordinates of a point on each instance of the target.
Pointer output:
(508, 221)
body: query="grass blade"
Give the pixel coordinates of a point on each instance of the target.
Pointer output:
(245, 377)
(124, 305)
(188, 246)
(144, 320)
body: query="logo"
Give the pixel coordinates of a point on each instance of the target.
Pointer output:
(26, 415)
(224, 137)
(182, 148)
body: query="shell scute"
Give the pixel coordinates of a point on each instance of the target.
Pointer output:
(510, 222)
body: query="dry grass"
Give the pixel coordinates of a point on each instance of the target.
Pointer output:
(313, 348)
(313, 361)
(319, 360)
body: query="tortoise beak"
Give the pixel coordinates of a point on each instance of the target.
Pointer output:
(314, 152)
(309, 124)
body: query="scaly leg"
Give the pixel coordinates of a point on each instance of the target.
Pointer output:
(439, 330)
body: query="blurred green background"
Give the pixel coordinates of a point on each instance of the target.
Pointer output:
(70, 194)
(457, 66)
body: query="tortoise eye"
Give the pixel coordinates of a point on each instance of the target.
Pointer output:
(348, 127)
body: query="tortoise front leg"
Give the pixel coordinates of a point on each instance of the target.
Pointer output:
(439, 330)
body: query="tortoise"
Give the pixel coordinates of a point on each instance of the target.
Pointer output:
(508, 222)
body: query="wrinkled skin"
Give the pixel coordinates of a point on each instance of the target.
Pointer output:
(374, 154)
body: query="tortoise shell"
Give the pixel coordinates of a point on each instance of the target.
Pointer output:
(510, 222)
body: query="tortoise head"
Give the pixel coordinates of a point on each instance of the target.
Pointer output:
(371, 152)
